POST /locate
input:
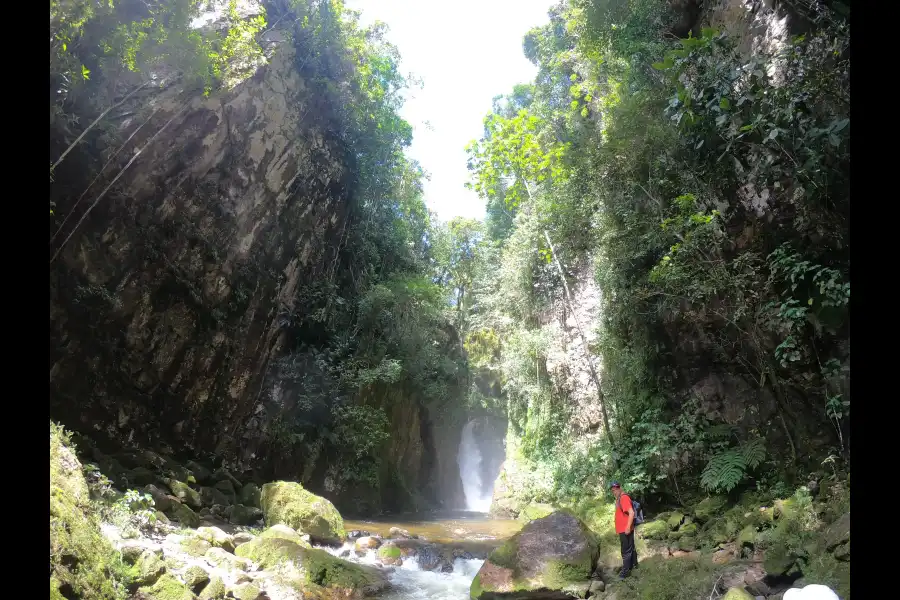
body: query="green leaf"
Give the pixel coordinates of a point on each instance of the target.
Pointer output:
(659, 66)
(85, 72)
(839, 125)
(724, 104)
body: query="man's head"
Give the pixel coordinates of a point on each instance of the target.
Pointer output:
(616, 489)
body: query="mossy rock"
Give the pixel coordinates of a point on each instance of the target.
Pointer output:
(689, 529)
(747, 537)
(551, 553)
(779, 561)
(184, 515)
(250, 495)
(709, 508)
(226, 487)
(390, 554)
(838, 533)
(654, 530)
(196, 578)
(786, 509)
(185, 493)
(195, 546)
(146, 570)
(687, 543)
(244, 515)
(675, 519)
(535, 510)
(167, 588)
(214, 590)
(225, 474)
(83, 562)
(320, 567)
(226, 560)
(284, 532)
(287, 502)
(246, 591)
(216, 537)
(140, 476)
(736, 593)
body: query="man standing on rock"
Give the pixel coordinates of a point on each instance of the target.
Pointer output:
(625, 529)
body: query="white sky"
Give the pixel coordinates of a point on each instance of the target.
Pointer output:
(467, 52)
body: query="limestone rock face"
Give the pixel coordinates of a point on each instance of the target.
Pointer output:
(165, 301)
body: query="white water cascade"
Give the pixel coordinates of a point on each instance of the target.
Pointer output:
(469, 460)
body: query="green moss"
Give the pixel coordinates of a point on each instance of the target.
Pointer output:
(81, 558)
(195, 546)
(185, 493)
(689, 529)
(328, 571)
(287, 502)
(249, 495)
(148, 568)
(675, 520)
(825, 569)
(654, 530)
(184, 515)
(168, 588)
(196, 577)
(683, 578)
(779, 560)
(475, 590)
(244, 515)
(737, 594)
(505, 555)
(247, 591)
(747, 537)
(269, 552)
(558, 575)
(284, 532)
(535, 510)
(389, 551)
(708, 508)
(214, 590)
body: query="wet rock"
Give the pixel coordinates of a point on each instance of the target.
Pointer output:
(287, 502)
(212, 496)
(161, 500)
(346, 553)
(167, 588)
(249, 495)
(216, 537)
(357, 533)
(196, 578)
(429, 558)
(185, 493)
(547, 555)
(244, 515)
(396, 532)
(366, 543)
(389, 554)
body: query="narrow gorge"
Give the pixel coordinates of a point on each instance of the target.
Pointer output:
(286, 363)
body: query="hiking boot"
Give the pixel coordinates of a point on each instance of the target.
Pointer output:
(623, 574)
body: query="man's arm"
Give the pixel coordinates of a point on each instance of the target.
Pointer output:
(629, 526)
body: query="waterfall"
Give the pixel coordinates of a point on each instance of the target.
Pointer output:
(469, 460)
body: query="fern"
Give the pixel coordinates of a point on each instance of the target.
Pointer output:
(728, 468)
(724, 470)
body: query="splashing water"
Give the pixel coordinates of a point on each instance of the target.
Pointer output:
(469, 460)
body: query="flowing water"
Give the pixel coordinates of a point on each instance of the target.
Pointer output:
(469, 459)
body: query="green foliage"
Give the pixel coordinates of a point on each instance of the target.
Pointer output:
(727, 469)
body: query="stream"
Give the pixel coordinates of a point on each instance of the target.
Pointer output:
(474, 532)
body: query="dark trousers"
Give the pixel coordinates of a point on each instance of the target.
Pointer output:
(629, 552)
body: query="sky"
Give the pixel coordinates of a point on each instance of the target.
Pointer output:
(466, 52)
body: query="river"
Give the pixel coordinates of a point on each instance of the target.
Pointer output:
(472, 532)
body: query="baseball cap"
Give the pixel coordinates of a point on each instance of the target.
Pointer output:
(614, 484)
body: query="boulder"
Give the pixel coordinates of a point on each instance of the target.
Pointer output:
(243, 515)
(287, 502)
(227, 488)
(842, 552)
(201, 473)
(246, 591)
(242, 537)
(546, 556)
(161, 500)
(654, 530)
(779, 561)
(214, 590)
(212, 496)
(225, 475)
(284, 532)
(389, 554)
(396, 532)
(196, 578)
(838, 532)
(366, 543)
(184, 493)
(216, 537)
(226, 560)
(195, 546)
(146, 570)
(184, 515)
(319, 567)
(140, 476)
(249, 495)
(674, 521)
(534, 510)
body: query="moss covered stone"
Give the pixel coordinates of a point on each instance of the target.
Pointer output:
(216, 537)
(195, 546)
(226, 560)
(779, 561)
(533, 511)
(675, 519)
(82, 560)
(390, 554)
(689, 529)
(146, 570)
(287, 502)
(284, 532)
(196, 578)
(246, 591)
(210, 496)
(747, 537)
(185, 493)
(708, 508)
(214, 590)
(654, 530)
(201, 473)
(244, 515)
(184, 515)
(547, 554)
(167, 588)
